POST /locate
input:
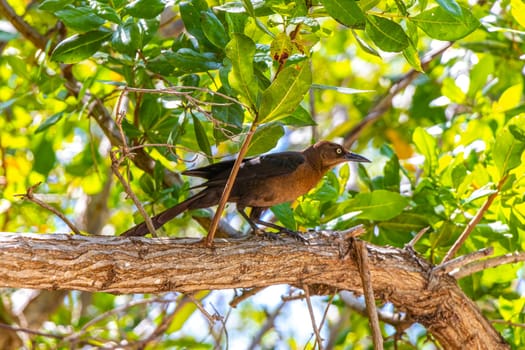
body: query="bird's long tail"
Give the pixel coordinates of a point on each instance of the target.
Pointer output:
(162, 218)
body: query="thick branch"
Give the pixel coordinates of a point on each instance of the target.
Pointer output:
(140, 265)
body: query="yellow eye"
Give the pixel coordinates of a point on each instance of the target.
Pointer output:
(338, 151)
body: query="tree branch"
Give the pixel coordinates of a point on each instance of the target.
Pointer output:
(386, 102)
(473, 222)
(140, 265)
(368, 291)
(22, 26)
(477, 266)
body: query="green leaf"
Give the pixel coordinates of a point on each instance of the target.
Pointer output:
(392, 177)
(82, 19)
(345, 12)
(150, 111)
(79, 47)
(364, 45)
(105, 11)
(284, 213)
(184, 61)
(285, 93)
(148, 28)
(214, 29)
(241, 50)
(366, 5)
(281, 47)
(231, 115)
(202, 137)
(411, 55)
(518, 11)
(480, 73)
(427, 146)
(326, 192)
(440, 24)
(451, 6)
(44, 157)
(54, 5)
(18, 65)
(300, 117)
(265, 138)
(386, 34)
(55, 118)
(145, 8)
(190, 13)
(518, 132)
(507, 149)
(127, 38)
(378, 205)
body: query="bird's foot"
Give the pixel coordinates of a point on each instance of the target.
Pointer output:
(275, 236)
(295, 235)
(271, 236)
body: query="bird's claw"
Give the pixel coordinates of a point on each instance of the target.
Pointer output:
(271, 236)
(274, 236)
(295, 235)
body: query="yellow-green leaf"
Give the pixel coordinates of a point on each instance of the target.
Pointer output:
(285, 93)
(509, 99)
(241, 50)
(517, 8)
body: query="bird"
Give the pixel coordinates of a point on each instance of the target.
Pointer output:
(261, 182)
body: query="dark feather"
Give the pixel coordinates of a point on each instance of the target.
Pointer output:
(263, 167)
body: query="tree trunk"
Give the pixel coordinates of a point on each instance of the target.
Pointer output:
(141, 265)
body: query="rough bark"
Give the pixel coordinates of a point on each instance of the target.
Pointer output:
(141, 265)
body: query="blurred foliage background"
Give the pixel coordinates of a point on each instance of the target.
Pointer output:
(431, 91)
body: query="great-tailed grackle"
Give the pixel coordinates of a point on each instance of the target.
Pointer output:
(261, 182)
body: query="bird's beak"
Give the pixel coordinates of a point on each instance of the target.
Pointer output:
(353, 157)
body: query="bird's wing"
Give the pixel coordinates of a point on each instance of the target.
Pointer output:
(261, 167)
(212, 170)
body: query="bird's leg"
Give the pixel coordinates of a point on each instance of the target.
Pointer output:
(251, 221)
(253, 225)
(254, 219)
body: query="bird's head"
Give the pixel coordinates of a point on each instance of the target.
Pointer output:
(330, 154)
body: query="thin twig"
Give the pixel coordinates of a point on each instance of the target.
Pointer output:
(268, 324)
(159, 331)
(246, 293)
(508, 323)
(115, 168)
(352, 232)
(211, 318)
(477, 266)
(463, 260)
(229, 184)
(121, 111)
(119, 309)
(30, 331)
(299, 296)
(364, 271)
(172, 90)
(398, 320)
(318, 338)
(29, 195)
(475, 220)
(417, 237)
(325, 314)
(223, 330)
